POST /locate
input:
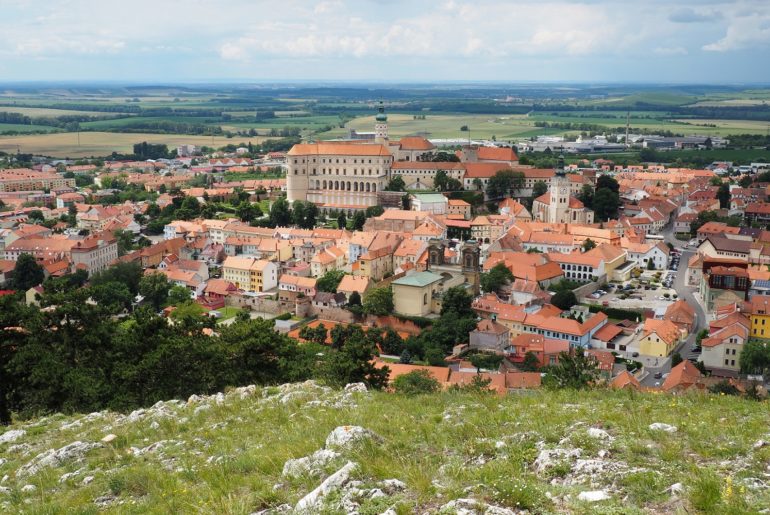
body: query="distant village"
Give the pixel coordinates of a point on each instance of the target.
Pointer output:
(659, 274)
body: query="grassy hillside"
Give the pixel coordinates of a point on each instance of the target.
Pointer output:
(538, 451)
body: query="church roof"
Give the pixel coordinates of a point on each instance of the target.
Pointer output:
(574, 203)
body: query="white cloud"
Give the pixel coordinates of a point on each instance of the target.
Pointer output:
(744, 32)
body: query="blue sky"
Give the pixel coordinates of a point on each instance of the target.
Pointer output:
(387, 40)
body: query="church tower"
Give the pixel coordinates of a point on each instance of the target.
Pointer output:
(381, 125)
(558, 208)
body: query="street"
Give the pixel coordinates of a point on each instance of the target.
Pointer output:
(687, 293)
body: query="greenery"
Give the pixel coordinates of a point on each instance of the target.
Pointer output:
(26, 273)
(505, 183)
(415, 383)
(378, 301)
(617, 313)
(329, 281)
(497, 277)
(606, 200)
(574, 370)
(755, 357)
(564, 299)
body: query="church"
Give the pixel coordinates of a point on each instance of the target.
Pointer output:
(558, 206)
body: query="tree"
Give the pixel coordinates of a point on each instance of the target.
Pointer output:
(496, 278)
(317, 334)
(129, 274)
(574, 370)
(405, 357)
(676, 358)
(396, 184)
(26, 273)
(608, 182)
(477, 184)
(113, 296)
(755, 357)
(486, 361)
(342, 221)
(329, 281)
(504, 184)
(353, 363)
(280, 213)
(725, 387)
(723, 195)
(125, 241)
(530, 363)
(708, 143)
(247, 211)
(650, 264)
(298, 213)
(745, 181)
(378, 301)
(417, 382)
(154, 288)
(456, 302)
(359, 219)
(586, 196)
(354, 299)
(372, 211)
(440, 180)
(605, 204)
(539, 188)
(178, 295)
(564, 299)
(588, 244)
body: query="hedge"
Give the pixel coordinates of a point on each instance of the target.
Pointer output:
(617, 313)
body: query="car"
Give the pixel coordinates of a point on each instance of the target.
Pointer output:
(696, 348)
(635, 355)
(659, 375)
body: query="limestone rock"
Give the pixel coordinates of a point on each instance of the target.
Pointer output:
(109, 438)
(12, 435)
(594, 496)
(599, 434)
(356, 388)
(53, 458)
(660, 426)
(312, 501)
(344, 437)
(312, 464)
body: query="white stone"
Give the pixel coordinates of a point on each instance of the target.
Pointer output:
(356, 388)
(109, 438)
(312, 464)
(600, 434)
(676, 489)
(201, 408)
(548, 458)
(88, 479)
(219, 398)
(311, 502)
(12, 435)
(345, 436)
(393, 485)
(3, 461)
(193, 399)
(53, 458)
(593, 496)
(760, 443)
(660, 426)
(28, 488)
(154, 425)
(5, 490)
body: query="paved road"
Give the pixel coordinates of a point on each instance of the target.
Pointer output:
(688, 294)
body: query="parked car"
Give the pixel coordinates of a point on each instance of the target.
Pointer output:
(659, 375)
(635, 355)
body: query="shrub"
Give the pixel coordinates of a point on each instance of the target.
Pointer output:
(415, 383)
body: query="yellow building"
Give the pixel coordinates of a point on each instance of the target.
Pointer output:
(659, 338)
(250, 274)
(760, 316)
(413, 294)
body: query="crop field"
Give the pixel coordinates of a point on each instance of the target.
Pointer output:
(35, 112)
(18, 127)
(503, 127)
(103, 143)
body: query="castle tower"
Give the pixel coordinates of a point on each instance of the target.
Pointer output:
(381, 125)
(558, 208)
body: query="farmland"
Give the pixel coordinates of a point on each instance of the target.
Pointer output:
(103, 143)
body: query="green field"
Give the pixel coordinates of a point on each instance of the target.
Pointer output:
(17, 127)
(35, 112)
(103, 143)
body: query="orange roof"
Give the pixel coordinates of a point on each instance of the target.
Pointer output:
(665, 329)
(523, 379)
(625, 380)
(441, 374)
(683, 376)
(607, 333)
(415, 143)
(496, 154)
(498, 383)
(342, 149)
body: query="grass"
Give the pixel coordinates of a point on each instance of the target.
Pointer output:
(227, 458)
(23, 128)
(102, 143)
(228, 312)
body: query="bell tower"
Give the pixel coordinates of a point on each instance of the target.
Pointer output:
(558, 208)
(381, 125)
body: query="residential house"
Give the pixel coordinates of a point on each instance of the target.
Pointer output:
(332, 258)
(434, 203)
(682, 315)
(578, 334)
(458, 208)
(683, 377)
(250, 274)
(95, 253)
(726, 247)
(721, 351)
(659, 337)
(546, 350)
(355, 283)
(490, 336)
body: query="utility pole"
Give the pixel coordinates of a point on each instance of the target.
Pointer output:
(628, 116)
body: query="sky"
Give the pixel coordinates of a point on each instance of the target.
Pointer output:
(679, 41)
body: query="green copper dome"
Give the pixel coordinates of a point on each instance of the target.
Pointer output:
(381, 116)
